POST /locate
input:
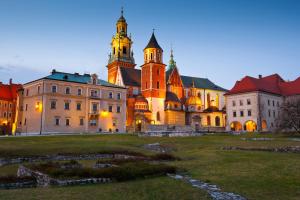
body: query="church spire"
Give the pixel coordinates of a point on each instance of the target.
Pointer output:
(172, 62)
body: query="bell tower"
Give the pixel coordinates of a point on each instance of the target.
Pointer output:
(121, 54)
(153, 83)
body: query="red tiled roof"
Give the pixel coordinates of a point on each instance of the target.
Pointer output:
(9, 92)
(271, 84)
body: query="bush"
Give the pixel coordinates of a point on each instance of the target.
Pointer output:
(15, 179)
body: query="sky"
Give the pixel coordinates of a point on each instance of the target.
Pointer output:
(222, 40)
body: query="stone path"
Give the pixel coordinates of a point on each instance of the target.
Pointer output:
(213, 190)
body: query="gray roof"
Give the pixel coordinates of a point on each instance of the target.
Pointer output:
(200, 83)
(131, 77)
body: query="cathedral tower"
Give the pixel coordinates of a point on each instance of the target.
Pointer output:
(153, 80)
(121, 54)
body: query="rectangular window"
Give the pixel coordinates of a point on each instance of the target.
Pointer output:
(249, 112)
(53, 104)
(110, 95)
(124, 50)
(241, 102)
(79, 92)
(118, 109)
(248, 102)
(54, 89)
(268, 102)
(57, 121)
(110, 108)
(95, 107)
(274, 113)
(78, 106)
(38, 89)
(25, 121)
(273, 103)
(94, 93)
(233, 103)
(26, 107)
(27, 92)
(93, 122)
(67, 122)
(277, 103)
(269, 112)
(157, 85)
(81, 122)
(67, 105)
(234, 113)
(119, 96)
(242, 113)
(68, 90)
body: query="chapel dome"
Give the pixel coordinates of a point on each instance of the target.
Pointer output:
(193, 100)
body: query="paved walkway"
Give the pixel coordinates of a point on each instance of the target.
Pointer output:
(213, 190)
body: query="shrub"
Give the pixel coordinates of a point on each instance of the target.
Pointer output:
(15, 179)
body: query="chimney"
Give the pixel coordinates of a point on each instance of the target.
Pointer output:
(53, 71)
(10, 81)
(259, 76)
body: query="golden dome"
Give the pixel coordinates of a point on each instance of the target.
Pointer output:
(193, 100)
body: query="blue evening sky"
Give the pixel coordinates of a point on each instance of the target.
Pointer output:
(222, 40)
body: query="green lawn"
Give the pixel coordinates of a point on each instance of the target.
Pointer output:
(253, 174)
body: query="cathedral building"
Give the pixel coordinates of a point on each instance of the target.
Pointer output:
(156, 93)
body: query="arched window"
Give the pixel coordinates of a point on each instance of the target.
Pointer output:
(114, 50)
(208, 100)
(124, 50)
(217, 121)
(157, 84)
(157, 116)
(151, 56)
(199, 94)
(208, 121)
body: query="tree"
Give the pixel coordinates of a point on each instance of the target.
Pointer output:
(289, 117)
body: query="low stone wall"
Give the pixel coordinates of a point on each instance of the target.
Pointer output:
(25, 184)
(31, 159)
(169, 134)
(44, 180)
(288, 149)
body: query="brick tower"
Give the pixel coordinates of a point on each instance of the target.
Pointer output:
(153, 80)
(121, 54)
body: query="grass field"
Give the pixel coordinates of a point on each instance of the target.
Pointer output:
(253, 174)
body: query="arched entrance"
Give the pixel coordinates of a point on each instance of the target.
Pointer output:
(235, 126)
(250, 126)
(138, 125)
(264, 125)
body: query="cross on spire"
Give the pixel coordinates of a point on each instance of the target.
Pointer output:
(122, 11)
(153, 30)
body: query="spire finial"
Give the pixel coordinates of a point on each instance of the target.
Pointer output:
(193, 83)
(153, 30)
(122, 11)
(171, 50)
